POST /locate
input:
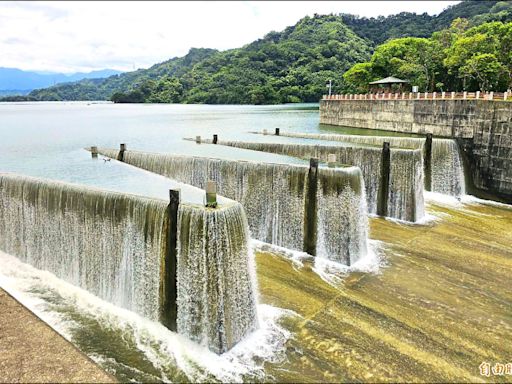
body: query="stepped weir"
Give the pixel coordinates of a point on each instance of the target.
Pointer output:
(399, 184)
(321, 211)
(184, 265)
(443, 168)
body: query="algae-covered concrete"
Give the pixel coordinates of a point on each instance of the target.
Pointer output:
(440, 307)
(30, 351)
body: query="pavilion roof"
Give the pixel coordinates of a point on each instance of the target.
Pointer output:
(389, 80)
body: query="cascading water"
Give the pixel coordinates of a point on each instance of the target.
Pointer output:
(107, 243)
(273, 196)
(114, 245)
(216, 299)
(368, 159)
(406, 202)
(342, 213)
(447, 167)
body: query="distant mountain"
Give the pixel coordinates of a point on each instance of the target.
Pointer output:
(18, 82)
(282, 67)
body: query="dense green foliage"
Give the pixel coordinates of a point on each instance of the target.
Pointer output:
(456, 58)
(294, 65)
(380, 29)
(287, 66)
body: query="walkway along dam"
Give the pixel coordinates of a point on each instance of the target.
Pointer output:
(318, 210)
(482, 129)
(184, 265)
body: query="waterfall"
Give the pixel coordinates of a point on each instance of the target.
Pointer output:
(405, 200)
(107, 243)
(273, 196)
(114, 245)
(447, 167)
(342, 213)
(216, 300)
(368, 159)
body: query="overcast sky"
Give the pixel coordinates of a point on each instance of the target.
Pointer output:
(83, 36)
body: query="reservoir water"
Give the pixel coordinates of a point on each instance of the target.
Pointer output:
(432, 303)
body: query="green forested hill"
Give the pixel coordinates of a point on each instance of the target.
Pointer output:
(288, 66)
(378, 30)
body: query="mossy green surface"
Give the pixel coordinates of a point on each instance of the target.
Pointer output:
(440, 306)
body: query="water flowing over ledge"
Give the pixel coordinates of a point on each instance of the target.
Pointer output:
(216, 279)
(279, 200)
(447, 169)
(116, 246)
(405, 196)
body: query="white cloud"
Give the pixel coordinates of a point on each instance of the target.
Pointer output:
(82, 36)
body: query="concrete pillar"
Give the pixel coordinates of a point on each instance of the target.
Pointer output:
(403, 95)
(331, 160)
(277, 131)
(477, 94)
(122, 149)
(310, 219)
(427, 162)
(426, 95)
(491, 96)
(434, 95)
(396, 96)
(215, 139)
(385, 168)
(211, 194)
(418, 95)
(410, 95)
(198, 139)
(465, 95)
(94, 152)
(443, 95)
(168, 288)
(453, 95)
(505, 96)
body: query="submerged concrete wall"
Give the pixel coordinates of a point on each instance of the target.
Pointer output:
(482, 129)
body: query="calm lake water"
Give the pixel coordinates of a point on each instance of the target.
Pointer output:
(46, 139)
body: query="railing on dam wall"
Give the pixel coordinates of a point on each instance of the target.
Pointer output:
(505, 96)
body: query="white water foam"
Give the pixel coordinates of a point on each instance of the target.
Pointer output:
(159, 345)
(330, 271)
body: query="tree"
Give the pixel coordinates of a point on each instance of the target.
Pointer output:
(485, 69)
(358, 77)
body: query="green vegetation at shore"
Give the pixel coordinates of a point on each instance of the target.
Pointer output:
(456, 58)
(293, 65)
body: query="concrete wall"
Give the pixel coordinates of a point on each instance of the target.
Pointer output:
(482, 129)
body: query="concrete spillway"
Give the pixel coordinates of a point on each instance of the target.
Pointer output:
(117, 247)
(447, 172)
(324, 214)
(404, 197)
